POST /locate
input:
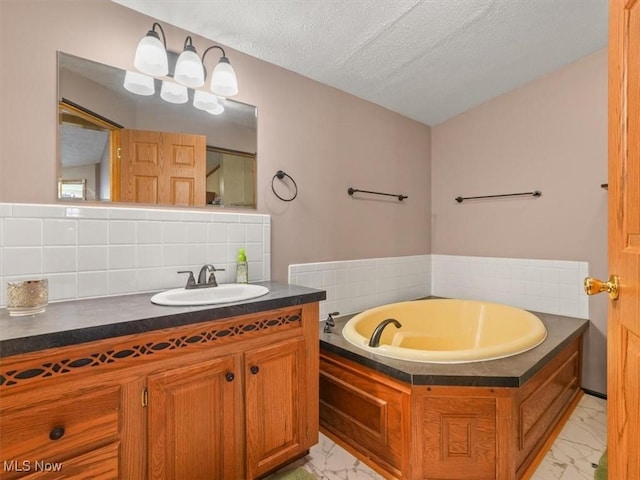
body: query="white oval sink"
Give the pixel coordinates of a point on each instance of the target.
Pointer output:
(225, 293)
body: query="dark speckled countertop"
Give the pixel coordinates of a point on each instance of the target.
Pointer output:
(79, 321)
(512, 371)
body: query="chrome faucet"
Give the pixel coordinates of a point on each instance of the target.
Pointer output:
(202, 277)
(377, 333)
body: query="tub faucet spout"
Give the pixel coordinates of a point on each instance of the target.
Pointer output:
(374, 341)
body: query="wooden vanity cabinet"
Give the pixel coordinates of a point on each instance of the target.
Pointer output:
(194, 423)
(227, 399)
(255, 395)
(275, 380)
(60, 431)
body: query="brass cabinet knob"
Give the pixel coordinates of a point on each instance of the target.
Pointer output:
(593, 286)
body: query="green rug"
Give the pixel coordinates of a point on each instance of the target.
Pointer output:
(601, 471)
(296, 474)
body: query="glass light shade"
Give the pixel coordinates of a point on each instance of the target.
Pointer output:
(189, 70)
(173, 93)
(151, 57)
(216, 111)
(139, 83)
(223, 79)
(205, 100)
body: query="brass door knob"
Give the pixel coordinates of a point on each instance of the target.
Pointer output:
(593, 286)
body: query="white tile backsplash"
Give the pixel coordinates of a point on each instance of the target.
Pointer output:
(122, 232)
(355, 285)
(254, 233)
(197, 233)
(149, 232)
(122, 257)
(550, 286)
(62, 286)
(86, 212)
(98, 251)
(174, 232)
(237, 233)
(93, 232)
(20, 210)
(174, 255)
(540, 285)
(93, 284)
(93, 257)
(22, 232)
(148, 256)
(101, 251)
(217, 233)
(60, 232)
(122, 281)
(59, 259)
(22, 261)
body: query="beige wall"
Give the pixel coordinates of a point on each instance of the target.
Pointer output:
(550, 135)
(327, 140)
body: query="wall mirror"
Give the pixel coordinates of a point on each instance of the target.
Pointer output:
(125, 147)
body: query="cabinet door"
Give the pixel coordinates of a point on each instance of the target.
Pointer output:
(195, 422)
(275, 407)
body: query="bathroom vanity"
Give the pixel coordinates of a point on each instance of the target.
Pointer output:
(120, 388)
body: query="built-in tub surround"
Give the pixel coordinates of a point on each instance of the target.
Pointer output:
(96, 251)
(447, 331)
(482, 420)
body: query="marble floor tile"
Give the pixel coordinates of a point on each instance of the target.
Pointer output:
(579, 445)
(328, 461)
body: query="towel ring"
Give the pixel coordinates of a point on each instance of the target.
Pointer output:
(280, 175)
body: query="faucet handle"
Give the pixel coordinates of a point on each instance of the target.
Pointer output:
(212, 276)
(191, 281)
(328, 323)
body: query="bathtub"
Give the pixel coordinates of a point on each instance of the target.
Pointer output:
(447, 331)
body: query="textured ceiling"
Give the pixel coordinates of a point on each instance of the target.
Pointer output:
(426, 59)
(82, 146)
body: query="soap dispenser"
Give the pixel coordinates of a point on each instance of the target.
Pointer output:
(242, 273)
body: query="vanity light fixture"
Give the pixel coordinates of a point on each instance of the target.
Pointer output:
(205, 100)
(152, 59)
(139, 83)
(173, 93)
(223, 79)
(217, 110)
(151, 54)
(189, 71)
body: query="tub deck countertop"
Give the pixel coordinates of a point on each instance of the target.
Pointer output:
(512, 371)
